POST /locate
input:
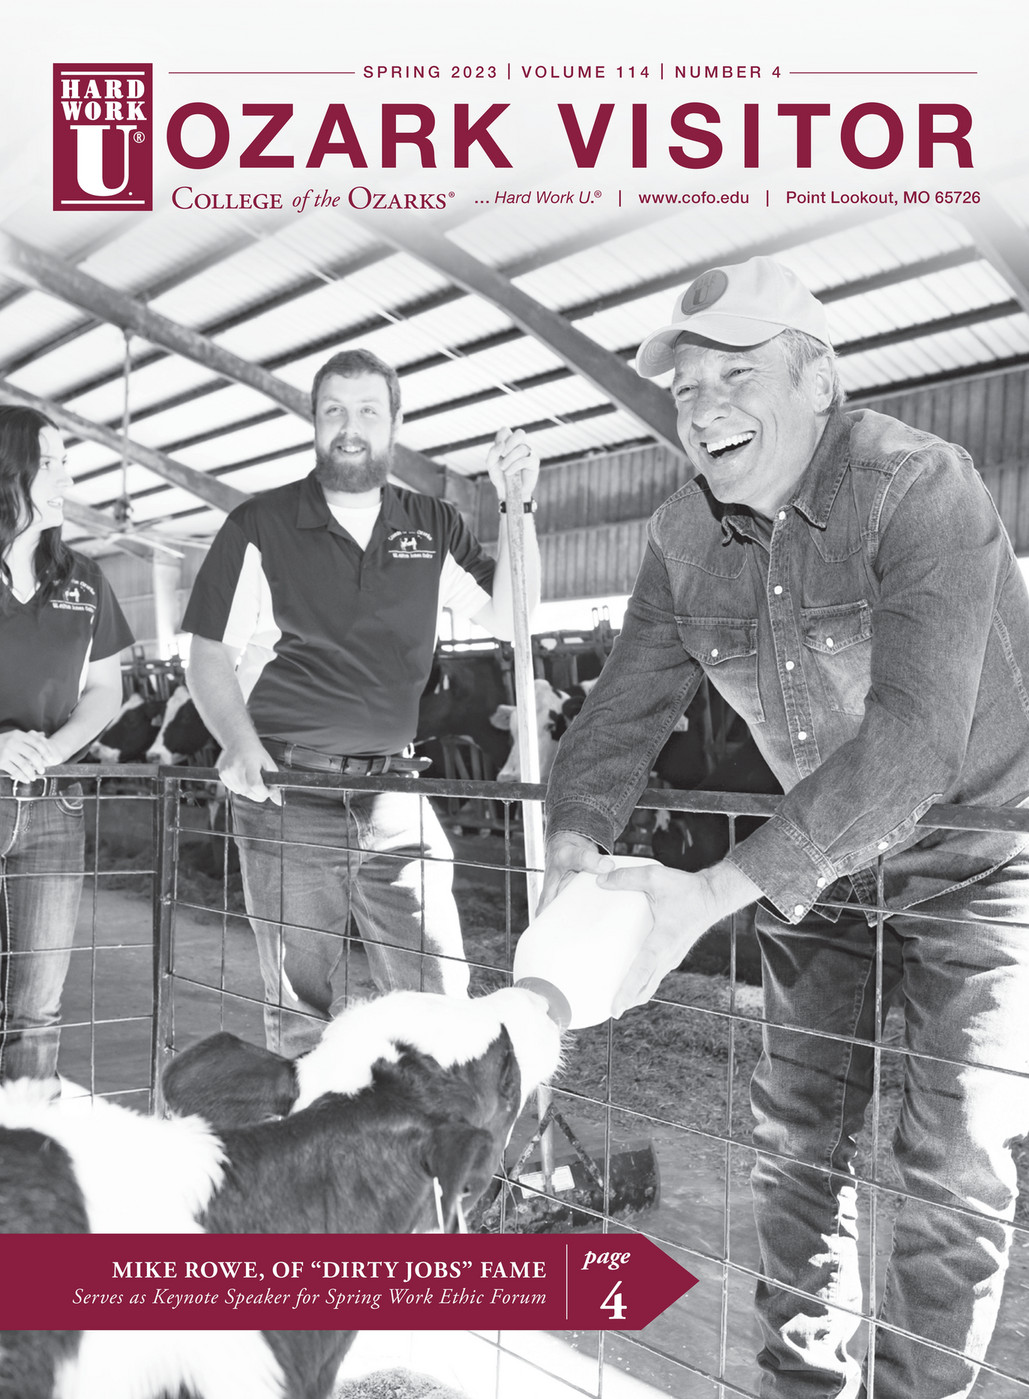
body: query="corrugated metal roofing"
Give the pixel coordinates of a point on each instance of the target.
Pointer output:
(911, 298)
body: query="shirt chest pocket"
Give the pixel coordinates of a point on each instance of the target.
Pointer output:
(726, 647)
(838, 642)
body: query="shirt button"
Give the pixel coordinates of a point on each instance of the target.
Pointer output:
(802, 735)
(714, 652)
(798, 909)
(821, 881)
(782, 514)
(829, 642)
(789, 665)
(884, 845)
(777, 589)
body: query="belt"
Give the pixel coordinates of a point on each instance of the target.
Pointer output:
(295, 755)
(39, 787)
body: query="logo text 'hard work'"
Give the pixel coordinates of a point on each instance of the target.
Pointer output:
(103, 139)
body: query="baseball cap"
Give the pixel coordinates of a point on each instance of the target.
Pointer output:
(740, 305)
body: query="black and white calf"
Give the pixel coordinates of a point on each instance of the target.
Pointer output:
(405, 1097)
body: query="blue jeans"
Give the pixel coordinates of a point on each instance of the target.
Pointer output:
(322, 856)
(959, 966)
(41, 856)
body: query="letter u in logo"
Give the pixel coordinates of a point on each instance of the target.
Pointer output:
(89, 159)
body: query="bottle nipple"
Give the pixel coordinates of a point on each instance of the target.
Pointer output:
(557, 1002)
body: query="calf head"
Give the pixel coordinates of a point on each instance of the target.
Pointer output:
(431, 1085)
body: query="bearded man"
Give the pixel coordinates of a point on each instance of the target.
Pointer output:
(314, 621)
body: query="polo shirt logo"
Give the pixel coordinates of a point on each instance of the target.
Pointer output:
(72, 600)
(411, 544)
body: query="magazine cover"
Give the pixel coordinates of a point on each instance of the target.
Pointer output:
(201, 208)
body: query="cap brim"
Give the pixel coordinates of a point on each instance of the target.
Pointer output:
(656, 355)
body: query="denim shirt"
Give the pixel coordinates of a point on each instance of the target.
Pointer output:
(872, 636)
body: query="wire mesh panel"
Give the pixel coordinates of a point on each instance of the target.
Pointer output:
(88, 883)
(650, 1127)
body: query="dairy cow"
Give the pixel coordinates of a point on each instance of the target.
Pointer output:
(129, 735)
(406, 1099)
(464, 693)
(182, 735)
(551, 723)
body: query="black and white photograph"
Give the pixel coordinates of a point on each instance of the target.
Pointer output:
(514, 701)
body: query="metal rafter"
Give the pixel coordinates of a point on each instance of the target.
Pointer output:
(97, 523)
(420, 306)
(217, 493)
(584, 356)
(38, 269)
(1002, 242)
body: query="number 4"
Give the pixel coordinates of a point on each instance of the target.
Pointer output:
(613, 1303)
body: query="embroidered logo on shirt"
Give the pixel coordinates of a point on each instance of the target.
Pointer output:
(411, 544)
(72, 599)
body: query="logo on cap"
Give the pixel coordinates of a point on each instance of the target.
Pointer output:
(704, 292)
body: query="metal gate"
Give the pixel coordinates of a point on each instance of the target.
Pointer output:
(654, 1129)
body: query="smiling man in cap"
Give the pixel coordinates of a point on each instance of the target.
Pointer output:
(845, 582)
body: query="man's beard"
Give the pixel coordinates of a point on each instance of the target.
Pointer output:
(336, 473)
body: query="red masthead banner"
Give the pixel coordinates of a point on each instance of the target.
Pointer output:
(335, 1281)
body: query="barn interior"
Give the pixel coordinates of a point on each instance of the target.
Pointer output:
(176, 352)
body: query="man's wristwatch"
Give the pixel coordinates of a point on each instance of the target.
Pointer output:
(529, 507)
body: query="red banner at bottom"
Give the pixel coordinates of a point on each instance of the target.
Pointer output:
(335, 1282)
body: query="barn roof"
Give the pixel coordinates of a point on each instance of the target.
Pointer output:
(202, 332)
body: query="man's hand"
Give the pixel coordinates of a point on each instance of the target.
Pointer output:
(511, 452)
(684, 907)
(240, 768)
(567, 854)
(26, 753)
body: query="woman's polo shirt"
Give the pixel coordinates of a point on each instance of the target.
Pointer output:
(46, 647)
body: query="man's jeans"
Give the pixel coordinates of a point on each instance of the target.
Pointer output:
(41, 854)
(959, 966)
(322, 856)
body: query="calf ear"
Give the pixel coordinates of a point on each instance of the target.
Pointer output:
(229, 1082)
(462, 1159)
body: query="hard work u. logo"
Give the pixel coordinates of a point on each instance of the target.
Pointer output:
(103, 143)
(704, 292)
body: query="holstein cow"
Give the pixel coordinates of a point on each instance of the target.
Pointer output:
(183, 734)
(696, 840)
(129, 735)
(406, 1099)
(459, 701)
(551, 723)
(692, 841)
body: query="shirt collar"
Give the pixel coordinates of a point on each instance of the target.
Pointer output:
(818, 486)
(313, 511)
(821, 481)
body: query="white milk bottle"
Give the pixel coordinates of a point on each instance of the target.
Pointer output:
(579, 949)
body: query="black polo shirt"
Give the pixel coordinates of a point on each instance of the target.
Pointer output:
(336, 641)
(45, 647)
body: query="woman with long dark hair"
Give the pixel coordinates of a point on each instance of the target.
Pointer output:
(61, 631)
